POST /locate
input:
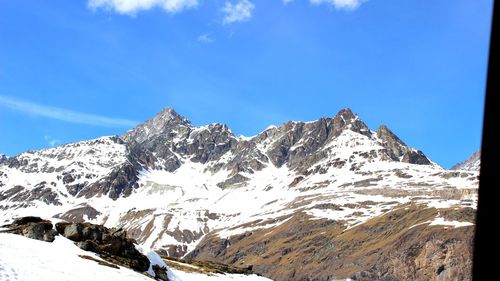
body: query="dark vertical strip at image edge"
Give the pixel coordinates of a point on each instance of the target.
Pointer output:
(484, 243)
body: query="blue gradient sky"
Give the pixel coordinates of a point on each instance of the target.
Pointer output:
(69, 71)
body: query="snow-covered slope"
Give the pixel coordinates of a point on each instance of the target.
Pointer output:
(26, 259)
(22, 258)
(171, 184)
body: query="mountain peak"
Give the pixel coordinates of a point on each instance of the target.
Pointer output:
(346, 119)
(398, 150)
(346, 114)
(385, 134)
(165, 121)
(168, 113)
(473, 163)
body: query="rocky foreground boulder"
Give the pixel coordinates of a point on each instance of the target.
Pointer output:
(32, 227)
(110, 244)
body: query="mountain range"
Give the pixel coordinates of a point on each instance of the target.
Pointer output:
(322, 200)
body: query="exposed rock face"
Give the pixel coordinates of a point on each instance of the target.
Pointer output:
(79, 214)
(299, 144)
(10, 192)
(473, 163)
(32, 227)
(397, 150)
(39, 192)
(209, 143)
(168, 135)
(121, 181)
(160, 273)
(112, 244)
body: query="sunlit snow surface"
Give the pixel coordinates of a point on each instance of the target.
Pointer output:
(455, 224)
(24, 259)
(443, 222)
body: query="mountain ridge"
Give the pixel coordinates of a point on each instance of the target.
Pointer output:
(170, 127)
(195, 190)
(473, 163)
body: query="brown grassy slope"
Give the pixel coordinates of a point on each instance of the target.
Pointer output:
(384, 248)
(205, 267)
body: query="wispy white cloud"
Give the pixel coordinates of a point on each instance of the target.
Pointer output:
(241, 11)
(131, 7)
(51, 141)
(64, 114)
(206, 38)
(340, 4)
(238, 11)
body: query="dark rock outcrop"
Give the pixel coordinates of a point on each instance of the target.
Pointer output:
(160, 272)
(155, 139)
(168, 135)
(397, 150)
(41, 192)
(234, 180)
(299, 144)
(32, 227)
(121, 181)
(79, 214)
(111, 244)
(10, 192)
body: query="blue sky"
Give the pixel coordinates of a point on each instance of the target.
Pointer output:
(75, 70)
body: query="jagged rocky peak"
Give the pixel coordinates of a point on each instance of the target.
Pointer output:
(152, 142)
(167, 121)
(3, 158)
(397, 150)
(391, 141)
(473, 163)
(295, 142)
(346, 119)
(169, 139)
(347, 116)
(206, 143)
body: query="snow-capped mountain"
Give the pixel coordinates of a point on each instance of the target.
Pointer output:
(473, 163)
(204, 193)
